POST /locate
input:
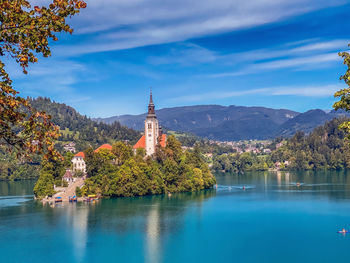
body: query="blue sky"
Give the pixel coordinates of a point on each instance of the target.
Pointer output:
(279, 54)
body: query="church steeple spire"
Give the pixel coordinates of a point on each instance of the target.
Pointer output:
(151, 112)
(150, 97)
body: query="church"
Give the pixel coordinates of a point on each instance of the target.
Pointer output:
(153, 132)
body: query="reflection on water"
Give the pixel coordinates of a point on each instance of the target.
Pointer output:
(77, 220)
(153, 235)
(332, 184)
(207, 226)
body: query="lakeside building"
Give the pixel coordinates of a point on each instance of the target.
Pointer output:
(153, 132)
(68, 176)
(78, 162)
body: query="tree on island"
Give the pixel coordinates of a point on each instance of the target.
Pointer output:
(344, 94)
(25, 32)
(122, 172)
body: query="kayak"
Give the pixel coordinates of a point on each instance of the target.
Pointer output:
(342, 232)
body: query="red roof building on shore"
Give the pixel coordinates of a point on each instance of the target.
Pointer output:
(104, 146)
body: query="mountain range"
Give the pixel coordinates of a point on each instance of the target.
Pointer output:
(230, 123)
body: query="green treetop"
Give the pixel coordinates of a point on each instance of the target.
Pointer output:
(25, 32)
(344, 94)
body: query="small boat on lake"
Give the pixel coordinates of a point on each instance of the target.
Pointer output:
(58, 199)
(91, 198)
(73, 199)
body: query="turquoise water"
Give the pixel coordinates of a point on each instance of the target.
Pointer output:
(273, 220)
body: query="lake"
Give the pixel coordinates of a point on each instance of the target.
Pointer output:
(272, 220)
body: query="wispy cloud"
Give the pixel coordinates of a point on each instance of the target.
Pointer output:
(303, 91)
(53, 78)
(303, 57)
(116, 25)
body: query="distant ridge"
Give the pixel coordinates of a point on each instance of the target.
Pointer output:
(232, 122)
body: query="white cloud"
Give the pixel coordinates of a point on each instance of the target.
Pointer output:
(304, 57)
(303, 91)
(186, 54)
(53, 78)
(134, 23)
(300, 61)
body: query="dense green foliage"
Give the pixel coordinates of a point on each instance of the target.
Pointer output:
(241, 162)
(325, 148)
(81, 129)
(73, 127)
(51, 173)
(344, 94)
(122, 173)
(25, 34)
(12, 168)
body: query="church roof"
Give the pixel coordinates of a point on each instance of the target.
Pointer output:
(80, 154)
(104, 146)
(141, 143)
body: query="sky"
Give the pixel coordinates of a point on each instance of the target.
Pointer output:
(271, 53)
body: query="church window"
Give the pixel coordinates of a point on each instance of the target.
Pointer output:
(149, 135)
(149, 125)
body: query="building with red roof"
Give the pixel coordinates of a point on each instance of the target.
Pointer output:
(78, 162)
(153, 132)
(68, 176)
(141, 143)
(80, 154)
(104, 146)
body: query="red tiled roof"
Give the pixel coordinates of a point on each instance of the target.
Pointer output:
(104, 146)
(80, 154)
(140, 143)
(68, 174)
(162, 141)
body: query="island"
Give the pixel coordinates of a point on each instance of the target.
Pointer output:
(156, 164)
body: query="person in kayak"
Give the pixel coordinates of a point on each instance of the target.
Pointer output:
(243, 187)
(344, 231)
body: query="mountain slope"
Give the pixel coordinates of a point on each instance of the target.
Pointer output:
(215, 121)
(307, 121)
(81, 129)
(232, 122)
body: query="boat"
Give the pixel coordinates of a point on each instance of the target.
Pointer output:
(93, 197)
(343, 231)
(58, 199)
(72, 199)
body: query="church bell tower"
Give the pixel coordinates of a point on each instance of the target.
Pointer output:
(151, 128)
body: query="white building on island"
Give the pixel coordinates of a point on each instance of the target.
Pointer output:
(79, 163)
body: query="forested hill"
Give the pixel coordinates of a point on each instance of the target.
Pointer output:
(81, 129)
(324, 148)
(232, 122)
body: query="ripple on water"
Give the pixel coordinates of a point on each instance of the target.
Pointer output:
(8, 201)
(234, 187)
